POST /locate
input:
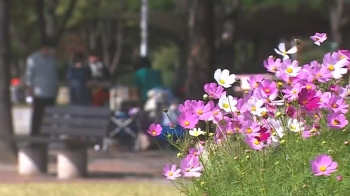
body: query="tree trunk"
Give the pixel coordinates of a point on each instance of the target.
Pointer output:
(8, 149)
(200, 58)
(337, 21)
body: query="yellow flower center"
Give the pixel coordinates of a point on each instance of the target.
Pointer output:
(284, 52)
(263, 113)
(335, 106)
(274, 68)
(249, 131)
(267, 90)
(256, 142)
(342, 56)
(154, 132)
(279, 84)
(188, 170)
(294, 91)
(305, 102)
(253, 108)
(256, 85)
(319, 74)
(187, 123)
(222, 81)
(331, 67)
(289, 70)
(200, 112)
(225, 105)
(292, 127)
(308, 87)
(336, 122)
(323, 168)
(215, 112)
(170, 173)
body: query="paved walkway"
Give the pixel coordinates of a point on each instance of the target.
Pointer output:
(105, 167)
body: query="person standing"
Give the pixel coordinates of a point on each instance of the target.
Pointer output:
(42, 83)
(146, 78)
(78, 75)
(99, 82)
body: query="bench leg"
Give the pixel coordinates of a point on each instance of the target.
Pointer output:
(32, 160)
(71, 163)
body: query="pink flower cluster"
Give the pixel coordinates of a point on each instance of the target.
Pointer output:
(311, 91)
(190, 167)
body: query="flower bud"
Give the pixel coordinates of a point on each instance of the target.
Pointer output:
(165, 110)
(278, 114)
(211, 134)
(179, 155)
(205, 97)
(346, 143)
(324, 142)
(339, 178)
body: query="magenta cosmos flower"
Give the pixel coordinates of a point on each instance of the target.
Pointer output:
(188, 120)
(336, 120)
(171, 172)
(308, 99)
(319, 38)
(214, 91)
(323, 165)
(154, 129)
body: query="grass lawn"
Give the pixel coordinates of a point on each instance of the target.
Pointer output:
(89, 189)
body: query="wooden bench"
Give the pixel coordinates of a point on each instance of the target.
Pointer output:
(70, 130)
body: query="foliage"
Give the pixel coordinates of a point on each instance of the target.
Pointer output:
(266, 142)
(165, 59)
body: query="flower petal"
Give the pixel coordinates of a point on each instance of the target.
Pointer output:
(282, 47)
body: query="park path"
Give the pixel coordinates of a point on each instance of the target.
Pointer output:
(110, 166)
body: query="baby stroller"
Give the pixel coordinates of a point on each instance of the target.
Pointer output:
(162, 108)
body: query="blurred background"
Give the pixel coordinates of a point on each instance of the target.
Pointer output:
(184, 40)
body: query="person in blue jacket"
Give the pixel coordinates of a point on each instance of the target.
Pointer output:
(78, 74)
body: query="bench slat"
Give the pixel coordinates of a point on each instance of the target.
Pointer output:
(81, 122)
(73, 131)
(78, 111)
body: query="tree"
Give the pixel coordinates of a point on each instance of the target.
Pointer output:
(201, 46)
(7, 148)
(49, 28)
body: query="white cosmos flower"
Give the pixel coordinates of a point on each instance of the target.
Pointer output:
(283, 52)
(339, 69)
(277, 128)
(295, 126)
(224, 78)
(255, 106)
(228, 103)
(196, 132)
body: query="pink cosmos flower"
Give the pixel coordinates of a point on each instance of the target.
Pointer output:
(203, 111)
(308, 99)
(191, 167)
(188, 120)
(268, 89)
(324, 98)
(255, 142)
(323, 165)
(291, 92)
(154, 129)
(336, 120)
(254, 81)
(319, 38)
(186, 106)
(171, 172)
(338, 104)
(344, 54)
(290, 68)
(272, 65)
(213, 90)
